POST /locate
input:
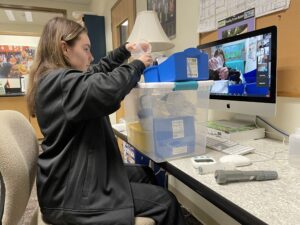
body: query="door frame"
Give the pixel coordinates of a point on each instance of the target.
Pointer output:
(121, 11)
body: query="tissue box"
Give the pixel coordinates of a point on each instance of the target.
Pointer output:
(191, 64)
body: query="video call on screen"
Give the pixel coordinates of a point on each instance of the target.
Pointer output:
(246, 68)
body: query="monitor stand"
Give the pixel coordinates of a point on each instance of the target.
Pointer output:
(239, 128)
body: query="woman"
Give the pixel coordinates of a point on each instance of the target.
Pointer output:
(81, 178)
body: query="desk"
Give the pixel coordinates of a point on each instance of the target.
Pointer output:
(267, 202)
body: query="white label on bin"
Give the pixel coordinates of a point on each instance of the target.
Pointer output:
(179, 150)
(192, 67)
(178, 129)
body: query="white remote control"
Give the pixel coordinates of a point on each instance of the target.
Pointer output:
(206, 164)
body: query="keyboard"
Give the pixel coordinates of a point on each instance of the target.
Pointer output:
(227, 146)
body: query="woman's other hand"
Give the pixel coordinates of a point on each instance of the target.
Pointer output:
(138, 49)
(145, 46)
(130, 46)
(146, 59)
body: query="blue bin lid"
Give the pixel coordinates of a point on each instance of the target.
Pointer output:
(150, 68)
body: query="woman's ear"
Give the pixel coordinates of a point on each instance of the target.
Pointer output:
(64, 47)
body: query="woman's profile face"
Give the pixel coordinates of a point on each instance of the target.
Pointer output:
(79, 55)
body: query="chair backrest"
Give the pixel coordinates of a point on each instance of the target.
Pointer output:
(18, 160)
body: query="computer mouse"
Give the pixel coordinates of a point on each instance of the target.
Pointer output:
(237, 160)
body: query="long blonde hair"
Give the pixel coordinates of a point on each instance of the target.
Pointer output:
(49, 54)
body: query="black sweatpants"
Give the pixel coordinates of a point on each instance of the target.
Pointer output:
(151, 200)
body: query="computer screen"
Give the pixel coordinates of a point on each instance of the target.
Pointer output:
(244, 70)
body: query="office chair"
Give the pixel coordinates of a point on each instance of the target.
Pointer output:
(19, 151)
(18, 160)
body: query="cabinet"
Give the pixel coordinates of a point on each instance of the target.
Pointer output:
(18, 103)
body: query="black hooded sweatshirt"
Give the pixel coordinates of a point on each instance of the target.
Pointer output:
(81, 177)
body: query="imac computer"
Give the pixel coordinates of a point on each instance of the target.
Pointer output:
(244, 70)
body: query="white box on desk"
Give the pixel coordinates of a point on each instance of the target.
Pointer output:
(166, 124)
(238, 136)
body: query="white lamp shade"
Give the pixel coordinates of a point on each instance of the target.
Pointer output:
(148, 28)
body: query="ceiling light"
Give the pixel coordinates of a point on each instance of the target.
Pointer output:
(28, 16)
(10, 15)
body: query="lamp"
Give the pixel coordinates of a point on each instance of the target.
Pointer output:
(147, 27)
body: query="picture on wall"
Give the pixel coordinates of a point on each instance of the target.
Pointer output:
(166, 12)
(15, 62)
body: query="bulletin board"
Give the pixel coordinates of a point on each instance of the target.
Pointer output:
(288, 47)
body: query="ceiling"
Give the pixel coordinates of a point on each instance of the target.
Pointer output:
(39, 18)
(42, 17)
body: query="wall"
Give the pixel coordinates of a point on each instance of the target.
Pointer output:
(99, 7)
(20, 28)
(19, 40)
(287, 117)
(187, 13)
(108, 6)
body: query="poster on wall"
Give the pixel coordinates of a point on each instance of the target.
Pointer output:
(15, 62)
(166, 12)
(237, 24)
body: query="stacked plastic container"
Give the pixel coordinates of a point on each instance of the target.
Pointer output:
(167, 120)
(191, 64)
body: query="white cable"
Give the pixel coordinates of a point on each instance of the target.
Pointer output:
(268, 158)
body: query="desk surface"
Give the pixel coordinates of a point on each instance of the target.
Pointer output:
(271, 202)
(274, 202)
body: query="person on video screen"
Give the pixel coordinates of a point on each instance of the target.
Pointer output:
(218, 70)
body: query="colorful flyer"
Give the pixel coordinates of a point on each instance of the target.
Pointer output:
(237, 24)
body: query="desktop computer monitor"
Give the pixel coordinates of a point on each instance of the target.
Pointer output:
(244, 70)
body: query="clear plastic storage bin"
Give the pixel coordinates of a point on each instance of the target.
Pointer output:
(165, 122)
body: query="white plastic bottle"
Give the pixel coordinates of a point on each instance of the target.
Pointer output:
(294, 149)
